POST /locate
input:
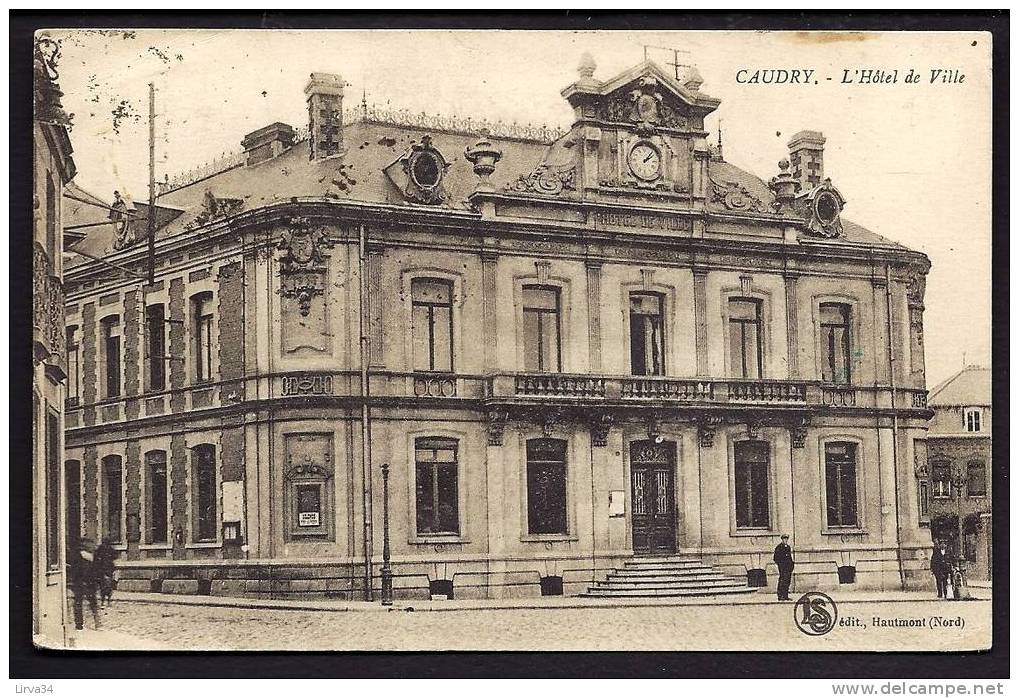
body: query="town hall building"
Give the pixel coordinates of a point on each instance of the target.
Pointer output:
(570, 350)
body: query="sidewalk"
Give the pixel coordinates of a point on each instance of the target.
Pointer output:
(546, 602)
(102, 639)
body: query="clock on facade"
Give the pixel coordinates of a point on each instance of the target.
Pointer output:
(645, 161)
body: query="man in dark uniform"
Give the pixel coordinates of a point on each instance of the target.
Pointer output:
(941, 568)
(784, 560)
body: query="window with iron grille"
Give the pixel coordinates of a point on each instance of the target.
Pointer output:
(432, 324)
(841, 483)
(647, 334)
(546, 486)
(751, 483)
(542, 344)
(436, 486)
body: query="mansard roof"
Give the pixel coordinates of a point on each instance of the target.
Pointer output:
(970, 387)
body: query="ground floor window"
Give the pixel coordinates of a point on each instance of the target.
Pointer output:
(156, 519)
(204, 499)
(53, 485)
(112, 498)
(546, 486)
(436, 486)
(751, 484)
(841, 484)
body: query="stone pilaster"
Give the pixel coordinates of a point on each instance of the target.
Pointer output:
(594, 315)
(231, 332)
(177, 366)
(700, 312)
(90, 492)
(489, 268)
(132, 354)
(89, 369)
(792, 319)
(178, 495)
(133, 500)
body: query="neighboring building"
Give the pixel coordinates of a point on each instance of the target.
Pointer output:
(583, 346)
(959, 467)
(53, 168)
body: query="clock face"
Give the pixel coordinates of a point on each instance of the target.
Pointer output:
(645, 161)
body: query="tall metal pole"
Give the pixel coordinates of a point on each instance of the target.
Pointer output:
(366, 446)
(152, 184)
(387, 569)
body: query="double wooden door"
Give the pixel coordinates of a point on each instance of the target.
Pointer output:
(653, 497)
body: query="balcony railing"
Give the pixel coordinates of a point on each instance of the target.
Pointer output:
(559, 385)
(666, 389)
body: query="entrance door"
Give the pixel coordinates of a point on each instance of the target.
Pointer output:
(653, 497)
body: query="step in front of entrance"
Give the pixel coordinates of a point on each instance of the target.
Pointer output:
(663, 576)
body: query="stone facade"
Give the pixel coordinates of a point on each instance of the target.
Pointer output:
(461, 275)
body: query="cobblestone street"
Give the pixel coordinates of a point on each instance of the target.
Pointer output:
(711, 625)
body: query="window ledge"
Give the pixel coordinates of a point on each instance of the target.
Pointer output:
(848, 531)
(204, 544)
(156, 546)
(451, 539)
(751, 532)
(548, 538)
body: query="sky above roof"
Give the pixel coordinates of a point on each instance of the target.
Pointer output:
(913, 161)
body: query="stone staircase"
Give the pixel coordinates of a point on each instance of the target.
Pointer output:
(674, 575)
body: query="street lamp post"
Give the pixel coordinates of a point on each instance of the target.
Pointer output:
(387, 569)
(958, 481)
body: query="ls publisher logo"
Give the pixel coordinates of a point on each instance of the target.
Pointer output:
(815, 613)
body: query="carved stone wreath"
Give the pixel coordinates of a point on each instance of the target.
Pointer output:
(546, 179)
(302, 265)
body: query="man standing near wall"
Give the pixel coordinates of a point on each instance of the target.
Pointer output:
(784, 559)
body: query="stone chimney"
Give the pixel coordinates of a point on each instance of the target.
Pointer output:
(806, 155)
(267, 142)
(325, 115)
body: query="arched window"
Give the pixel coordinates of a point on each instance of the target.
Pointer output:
(841, 492)
(110, 350)
(202, 342)
(436, 486)
(976, 479)
(751, 483)
(157, 491)
(155, 347)
(941, 479)
(112, 499)
(432, 324)
(647, 334)
(73, 367)
(204, 495)
(546, 486)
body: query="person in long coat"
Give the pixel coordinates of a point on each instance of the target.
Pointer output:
(784, 560)
(941, 568)
(83, 581)
(104, 557)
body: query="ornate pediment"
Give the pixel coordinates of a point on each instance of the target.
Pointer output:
(648, 105)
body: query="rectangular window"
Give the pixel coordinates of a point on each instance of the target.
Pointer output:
(647, 335)
(746, 357)
(751, 483)
(836, 360)
(53, 484)
(201, 313)
(924, 499)
(840, 483)
(542, 349)
(111, 355)
(203, 464)
(436, 486)
(155, 347)
(73, 367)
(113, 498)
(156, 519)
(941, 481)
(972, 420)
(546, 486)
(976, 479)
(432, 324)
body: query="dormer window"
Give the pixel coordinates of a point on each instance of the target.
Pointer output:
(972, 419)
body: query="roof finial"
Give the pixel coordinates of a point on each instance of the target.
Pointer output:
(587, 67)
(364, 103)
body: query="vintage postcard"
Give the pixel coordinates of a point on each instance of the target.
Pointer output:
(512, 340)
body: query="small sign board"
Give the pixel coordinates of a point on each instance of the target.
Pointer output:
(308, 518)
